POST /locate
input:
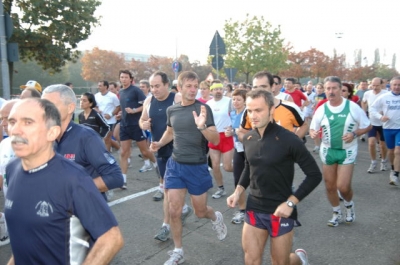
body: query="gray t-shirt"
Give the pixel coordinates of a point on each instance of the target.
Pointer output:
(189, 143)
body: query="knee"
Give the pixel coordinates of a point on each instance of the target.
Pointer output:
(396, 151)
(200, 213)
(174, 211)
(344, 189)
(228, 168)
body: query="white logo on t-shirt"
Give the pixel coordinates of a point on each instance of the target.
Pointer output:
(43, 209)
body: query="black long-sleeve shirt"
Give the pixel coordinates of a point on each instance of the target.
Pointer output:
(95, 121)
(269, 168)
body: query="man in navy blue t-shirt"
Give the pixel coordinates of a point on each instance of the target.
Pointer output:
(52, 206)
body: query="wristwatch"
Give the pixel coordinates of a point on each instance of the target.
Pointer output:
(290, 204)
(354, 135)
(202, 128)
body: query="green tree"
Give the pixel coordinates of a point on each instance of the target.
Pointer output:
(254, 45)
(48, 31)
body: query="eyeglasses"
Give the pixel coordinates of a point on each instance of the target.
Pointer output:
(344, 90)
(260, 87)
(275, 83)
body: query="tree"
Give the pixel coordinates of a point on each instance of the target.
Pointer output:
(253, 45)
(48, 31)
(101, 65)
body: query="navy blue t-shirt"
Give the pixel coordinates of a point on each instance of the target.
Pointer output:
(85, 147)
(158, 115)
(40, 206)
(131, 97)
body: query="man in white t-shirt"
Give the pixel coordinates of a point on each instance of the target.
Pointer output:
(221, 107)
(109, 106)
(377, 130)
(6, 154)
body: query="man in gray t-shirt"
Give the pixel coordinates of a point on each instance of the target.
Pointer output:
(189, 124)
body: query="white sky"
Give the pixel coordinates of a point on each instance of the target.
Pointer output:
(156, 26)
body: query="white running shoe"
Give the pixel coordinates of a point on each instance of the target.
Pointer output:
(238, 218)
(145, 168)
(383, 166)
(4, 239)
(316, 149)
(302, 255)
(176, 258)
(219, 226)
(336, 219)
(372, 167)
(393, 179)
(350, 215)
(220, 192)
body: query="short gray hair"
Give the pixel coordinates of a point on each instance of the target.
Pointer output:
(66, 93)
(333, 79)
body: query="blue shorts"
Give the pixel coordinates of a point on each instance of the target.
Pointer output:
(131, 132)
(276, 226)
(162, 164)
(195, 178)
(373, 132)
(392, 137)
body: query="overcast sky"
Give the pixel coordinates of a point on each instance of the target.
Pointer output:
(162, 27)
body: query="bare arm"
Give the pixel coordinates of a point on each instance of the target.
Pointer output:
(364, 105)
(105, 248)
(11, 261)
(240, 132)
(167, 137)
(211, 134)
(101, 186)
(302, 130)
(144, 118)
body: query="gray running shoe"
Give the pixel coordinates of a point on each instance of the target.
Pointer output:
(158, 196)
(163, 234)
(185, 215)
(176, 258)
(220, 226)
(371, 168)
(336, 219)
(220, 192)
(238, 218)
(145, 168)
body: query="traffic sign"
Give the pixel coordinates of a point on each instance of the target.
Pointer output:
(217, 62)
(176, 67)
(217, 45)
(230, 73)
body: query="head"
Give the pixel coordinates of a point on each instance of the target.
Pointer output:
(333, 86)
(103, 86)
(297, 86)
(309, 88)
(235, 85)
(126, 78)
(310, 83)
(144, 85)
(347, 90)
(159, 84)
(174, 89)
(239, 99)
(217, 89)
(395, 85)
(228, 88)
(260, 108)
(34, 125)
(114, 87)
(87, 101)
(263, 80)
(188, 83)
(243, 86)
(289, 83)
(363, 85)
(320, 88)
(277, 84)
(5, 112)
(32, 84)
(377, 84)
(30, 93)
(205, 89)
(69, 84)
(64, 98)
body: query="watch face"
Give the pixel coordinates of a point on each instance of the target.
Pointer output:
(290, 204)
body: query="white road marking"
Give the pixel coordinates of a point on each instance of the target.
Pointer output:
(132, 196)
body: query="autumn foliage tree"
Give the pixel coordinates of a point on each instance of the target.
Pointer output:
(101, 65)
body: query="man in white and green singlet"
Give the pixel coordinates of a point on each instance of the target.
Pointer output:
(341, 121)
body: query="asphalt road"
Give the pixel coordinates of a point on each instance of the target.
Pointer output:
(373, 238)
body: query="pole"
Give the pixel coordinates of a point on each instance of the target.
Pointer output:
(216, 54)
(3, 48)
(176, 55)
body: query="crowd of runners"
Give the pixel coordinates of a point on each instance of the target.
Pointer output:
(57, 175)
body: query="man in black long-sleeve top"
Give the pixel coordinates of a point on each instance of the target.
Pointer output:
(271, 152)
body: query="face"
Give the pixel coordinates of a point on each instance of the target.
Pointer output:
(320, 89)
(189, 89)
(376, 84)
(395, 86)
(144, 88)
(333, 91)
(309, 88)
(28, 131)
(345, 92)
(114, 89)
(276, 84)
(363, 85)
(262, 83)
(5, 112)
(25, 94)
(125, 80)
(102, 88)
(65, 110)
(84, 102)
(258, 112)
(297, 86)
(158, 89)
(288, 85)
(204, 91)
(238, 102)
(218, 93)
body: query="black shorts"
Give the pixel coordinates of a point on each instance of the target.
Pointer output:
(131, 132)
(376, 129)
(112, 126)
(276, 226)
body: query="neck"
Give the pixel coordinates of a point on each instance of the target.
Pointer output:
(64, 126)
(186, 102)
(104, 92)
(125, 86)
(87, 111)
(336, 102)
(38, 159)
(239, 110)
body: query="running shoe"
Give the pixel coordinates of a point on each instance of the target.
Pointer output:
(176, 258)
(186, 214)
(336, 219)
(109, 195)
(350, 215)
(129, 162)
(316, 149)
(372, 167)
(163, 234)
(302, 255)
(158, 196)
(393, 179)
(219, 226)
(220, 192)
(124, 186)
(145, 168)
(383, 166)
(4, 239)
(238, 218)
(340, 195)
(362, 138)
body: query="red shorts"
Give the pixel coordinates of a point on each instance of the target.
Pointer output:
(225, 143)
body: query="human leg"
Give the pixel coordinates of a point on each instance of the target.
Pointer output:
(281, 247)
(238, 166)
(253, 241)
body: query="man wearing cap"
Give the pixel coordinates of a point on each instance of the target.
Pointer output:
(221, 106)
